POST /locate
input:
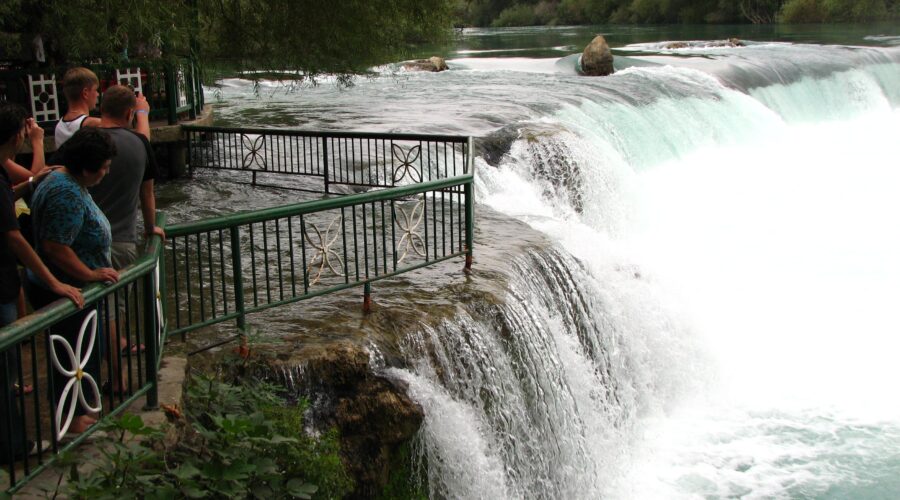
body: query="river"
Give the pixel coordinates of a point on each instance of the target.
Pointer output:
(713, 315)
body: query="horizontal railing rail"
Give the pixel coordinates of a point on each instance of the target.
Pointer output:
(62, 362)
(338, 158)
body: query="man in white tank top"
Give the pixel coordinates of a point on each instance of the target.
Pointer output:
(80, 86)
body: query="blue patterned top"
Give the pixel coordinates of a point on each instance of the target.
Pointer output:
(64, 212)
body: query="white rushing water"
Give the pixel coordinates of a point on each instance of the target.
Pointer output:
(738, 270)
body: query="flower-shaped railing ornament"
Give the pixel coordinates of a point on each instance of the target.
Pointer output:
(73, 392)
(160, 319)
(254, 149)
(409, 224)
(326, 255)
(407, 160)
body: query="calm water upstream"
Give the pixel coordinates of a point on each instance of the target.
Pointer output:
(713, 314)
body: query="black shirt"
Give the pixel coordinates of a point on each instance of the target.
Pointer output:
(9, 273)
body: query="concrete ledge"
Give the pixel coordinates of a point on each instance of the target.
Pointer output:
(172, 133)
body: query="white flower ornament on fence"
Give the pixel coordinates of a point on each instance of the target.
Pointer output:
(409, 224)
(160, 319)
(325, 254)
(77, 376)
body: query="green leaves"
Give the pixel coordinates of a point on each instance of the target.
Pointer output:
(300, 489)
(243, 441)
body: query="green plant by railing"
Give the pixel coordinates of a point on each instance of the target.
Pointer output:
(243, 441)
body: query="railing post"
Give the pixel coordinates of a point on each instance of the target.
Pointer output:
(470, 223)
(171, 90)
(325, 162)
(150, 340)
(367, 298)
(238, 278)
(192, 113)
(188, 159)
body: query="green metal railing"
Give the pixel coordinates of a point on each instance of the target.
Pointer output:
(226, 268)
(31, 348)
(334, 159)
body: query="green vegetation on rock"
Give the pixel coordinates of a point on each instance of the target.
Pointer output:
(237, 441)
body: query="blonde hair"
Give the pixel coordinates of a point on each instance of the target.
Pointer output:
(77, 79)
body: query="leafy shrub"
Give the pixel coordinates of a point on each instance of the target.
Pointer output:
(242, 442)
(517, 15)
(802, 11)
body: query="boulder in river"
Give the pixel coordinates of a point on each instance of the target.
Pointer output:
(433, 64)
(597, 60)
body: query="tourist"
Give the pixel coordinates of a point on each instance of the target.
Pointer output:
(74, 239)
(18, 173)
(13, 127)
(80, 86)
(131, 177)
(130, 183)
(81, 89)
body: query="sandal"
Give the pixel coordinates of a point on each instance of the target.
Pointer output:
(18, 390)
(135, 349)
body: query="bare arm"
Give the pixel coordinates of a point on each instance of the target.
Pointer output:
(66, 259)
(148, 209)
(23, 251)
(25, 187)
(91, 121)
(17, 173)
(142, 117)
(36, 136)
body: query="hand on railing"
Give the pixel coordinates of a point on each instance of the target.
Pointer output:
(105, 275)
(69, 292)
(157, 231)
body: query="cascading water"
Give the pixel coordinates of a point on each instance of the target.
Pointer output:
(532, 397)
(726, 330)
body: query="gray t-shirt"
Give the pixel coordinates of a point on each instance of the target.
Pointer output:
(118, 193)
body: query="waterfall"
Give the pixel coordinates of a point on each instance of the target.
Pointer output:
(534, 396)
(713, 317)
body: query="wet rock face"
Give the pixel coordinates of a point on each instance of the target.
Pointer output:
(373, 414)
(731, 42)
(597, 60)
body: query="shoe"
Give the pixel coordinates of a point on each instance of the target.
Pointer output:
(37, 447)
(135, 349)
(18, 390)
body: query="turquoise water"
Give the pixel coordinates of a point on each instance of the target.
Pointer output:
(715, 315)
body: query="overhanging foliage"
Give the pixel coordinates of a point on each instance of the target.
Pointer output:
(307, 36)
